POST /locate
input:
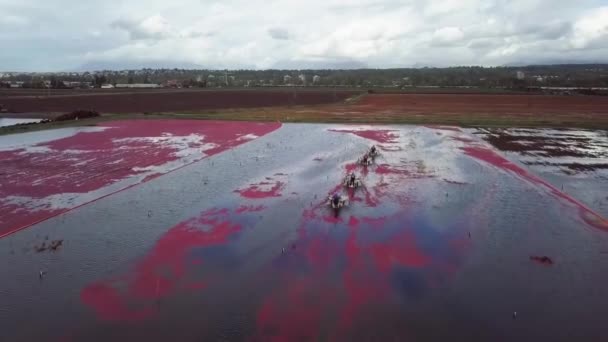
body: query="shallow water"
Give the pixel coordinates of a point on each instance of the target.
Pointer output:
(10, 121)
(573, 160)
(241, 246)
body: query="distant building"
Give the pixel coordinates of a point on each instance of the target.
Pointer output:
(287, 79)
(107, 86)
(316, 79)
(69, 84)
(173, 84)
(520, 75)
(134, 85)
(302, 78)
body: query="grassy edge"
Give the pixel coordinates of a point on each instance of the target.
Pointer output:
(300, 115)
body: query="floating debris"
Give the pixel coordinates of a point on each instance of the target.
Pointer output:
(40, 248)
(55, 244)
(52, 246)
(545, 260)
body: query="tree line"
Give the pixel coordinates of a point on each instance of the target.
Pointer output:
(576, 75)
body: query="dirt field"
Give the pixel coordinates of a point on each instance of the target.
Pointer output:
(129, 101)
(18, 92)
(465, 110)
(21, 92)
(449, 109)
(487, 104)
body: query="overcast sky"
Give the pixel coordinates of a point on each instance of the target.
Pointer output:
(45, 35)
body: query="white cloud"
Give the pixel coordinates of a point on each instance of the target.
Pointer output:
(262, 34)
(484, 43)
(447, 36)
(591, 30)
(154, 27)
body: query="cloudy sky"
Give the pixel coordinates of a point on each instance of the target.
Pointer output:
(43, 35)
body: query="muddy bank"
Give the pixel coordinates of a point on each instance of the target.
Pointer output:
(588, 149)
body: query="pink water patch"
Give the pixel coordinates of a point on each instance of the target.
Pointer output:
(361, 291)
(109, 305)
(543, 260)
(369, 199)
(343, 278)
(163, 271)
(374, 222)
(491, 157)
(351, 167)
(262, 190)
(91, 161)
(379, 135)
(332, 219)
(384, 169)
(300, 319)
(195, 286)
(408, 255)
(463, 139)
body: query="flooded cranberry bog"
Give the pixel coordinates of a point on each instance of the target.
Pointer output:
(196, 230)
(573, 160)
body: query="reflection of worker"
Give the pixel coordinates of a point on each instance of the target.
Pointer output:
(365, 159)
(335, 200)
(373, 149)
(352, 179)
